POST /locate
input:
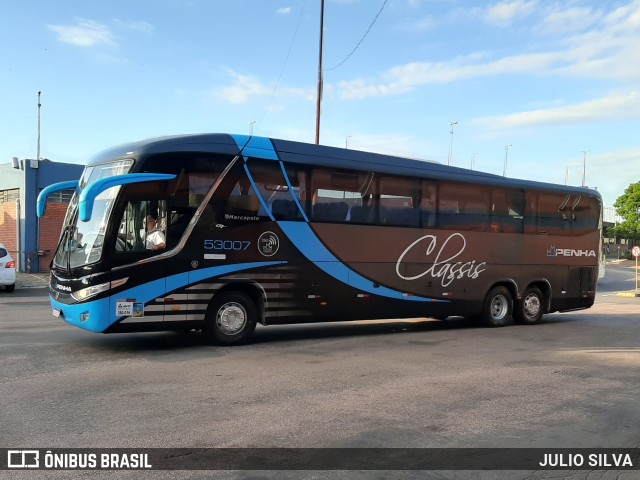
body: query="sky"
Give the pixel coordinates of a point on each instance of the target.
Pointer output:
(545, 87)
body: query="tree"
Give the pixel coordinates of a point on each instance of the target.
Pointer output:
(628, 207)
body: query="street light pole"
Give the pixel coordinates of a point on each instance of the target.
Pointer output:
(452, 124)
(346, 142)
(251, 127)
(506, 157)
(584, 167)
(473, 158)
(566, 175)
(319, 94)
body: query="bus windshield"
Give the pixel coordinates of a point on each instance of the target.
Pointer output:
(82, 242)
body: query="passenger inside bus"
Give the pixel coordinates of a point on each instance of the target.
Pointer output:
(155, 239)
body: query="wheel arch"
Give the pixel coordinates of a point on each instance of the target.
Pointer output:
(508, 283)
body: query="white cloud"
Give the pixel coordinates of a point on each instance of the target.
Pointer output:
(85, 33)
(562, 22)
(387, 144)
(617, 106)
(600, 168)
(284, 11)
(138, 26)
(405, 78)
(423, 24)
(504, 13)
(244, 87)
(609, 51)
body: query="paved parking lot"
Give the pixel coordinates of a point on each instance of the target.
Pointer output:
(569, 382)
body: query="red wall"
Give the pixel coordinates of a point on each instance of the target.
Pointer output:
(8, 227)
(50, 226)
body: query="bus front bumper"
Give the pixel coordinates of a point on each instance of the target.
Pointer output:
(94, 316)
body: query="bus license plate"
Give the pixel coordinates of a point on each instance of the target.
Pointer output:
(56, 312)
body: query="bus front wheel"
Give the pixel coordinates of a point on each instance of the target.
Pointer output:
(529, 310)
(231, 319)
(498, 307)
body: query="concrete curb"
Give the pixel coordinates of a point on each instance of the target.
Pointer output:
(628, 294)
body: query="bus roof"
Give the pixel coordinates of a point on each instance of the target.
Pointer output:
(320, 155)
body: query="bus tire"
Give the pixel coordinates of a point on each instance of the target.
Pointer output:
(498, 307)
(529, 310)
(230, 319)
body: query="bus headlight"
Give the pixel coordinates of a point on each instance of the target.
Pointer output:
(81, 295)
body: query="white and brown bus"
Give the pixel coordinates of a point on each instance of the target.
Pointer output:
(274, 231)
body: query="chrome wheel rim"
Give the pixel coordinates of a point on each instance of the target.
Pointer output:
(231, 318)
(499, 307)
(531, 306)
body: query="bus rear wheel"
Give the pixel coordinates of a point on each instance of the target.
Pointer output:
(498, 307)
(529, 310)
(230, 319)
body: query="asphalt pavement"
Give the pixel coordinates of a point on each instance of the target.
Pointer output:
(31, 280)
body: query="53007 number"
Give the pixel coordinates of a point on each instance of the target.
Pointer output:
(227, 245)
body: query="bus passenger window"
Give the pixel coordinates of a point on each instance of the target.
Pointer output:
(507, 210)
(586, 215)
(339, 193)
(400, 201)
(465, 207)
(551, 215)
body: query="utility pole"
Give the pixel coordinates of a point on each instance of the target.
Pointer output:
(319, 96)
(39, 105)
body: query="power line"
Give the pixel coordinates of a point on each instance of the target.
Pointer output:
(293, 38)
(362, 39)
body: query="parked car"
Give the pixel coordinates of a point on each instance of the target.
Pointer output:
(7, 270)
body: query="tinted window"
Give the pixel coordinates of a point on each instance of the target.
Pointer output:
(336, 192)
(400, 200)
(463, 207)
(507, 210)
(561, 214)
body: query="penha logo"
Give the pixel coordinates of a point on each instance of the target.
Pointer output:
(553, 251)
(268, 244)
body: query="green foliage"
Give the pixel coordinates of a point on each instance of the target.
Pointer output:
(628, 207)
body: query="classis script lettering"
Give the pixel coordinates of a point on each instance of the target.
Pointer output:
(443, 264)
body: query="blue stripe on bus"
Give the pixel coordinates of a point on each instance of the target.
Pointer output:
(305, 240)
(102, 312)
(259, 147)
(257, 193)
(293, 194)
